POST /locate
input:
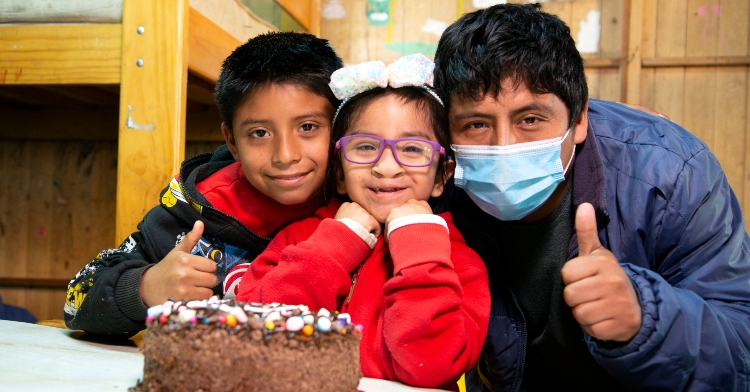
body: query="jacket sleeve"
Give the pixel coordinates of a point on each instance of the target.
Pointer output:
(314, 271)
(103, 297)
(695, 298)
(442, 285)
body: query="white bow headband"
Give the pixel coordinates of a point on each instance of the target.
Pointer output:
(412, 70)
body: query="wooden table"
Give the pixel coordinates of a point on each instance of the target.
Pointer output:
(41, 358)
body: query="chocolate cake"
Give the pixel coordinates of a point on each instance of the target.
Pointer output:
(223, 345)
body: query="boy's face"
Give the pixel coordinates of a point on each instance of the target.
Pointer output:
(281, 136)
(379, 187)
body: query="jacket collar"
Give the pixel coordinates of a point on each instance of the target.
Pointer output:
(200, 167)
(589, 183)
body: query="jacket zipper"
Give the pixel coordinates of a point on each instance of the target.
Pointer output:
(522, 361)
(518, 380)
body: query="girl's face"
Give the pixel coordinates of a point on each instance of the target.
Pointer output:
(380, 186)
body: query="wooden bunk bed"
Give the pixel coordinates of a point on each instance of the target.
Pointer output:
(151, 54)
(155, 67)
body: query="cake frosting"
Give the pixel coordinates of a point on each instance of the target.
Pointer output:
(224, 345)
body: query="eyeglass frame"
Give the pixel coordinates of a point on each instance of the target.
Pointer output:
(436, 147)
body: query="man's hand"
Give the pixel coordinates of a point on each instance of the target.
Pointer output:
(411, 207)
(597, 288)
(358, 214)
(180, 275)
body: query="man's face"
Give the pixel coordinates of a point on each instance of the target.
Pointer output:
(516, 115)
(281, 136)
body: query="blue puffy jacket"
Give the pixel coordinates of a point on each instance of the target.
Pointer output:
(665, 209)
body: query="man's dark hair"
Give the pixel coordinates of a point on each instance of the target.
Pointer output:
(510, 41)
(425, 103)
(278, 57)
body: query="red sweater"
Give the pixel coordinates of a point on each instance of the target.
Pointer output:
(422, 298)
(229, 192)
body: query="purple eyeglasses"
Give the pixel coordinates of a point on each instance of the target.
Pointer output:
(366, 149)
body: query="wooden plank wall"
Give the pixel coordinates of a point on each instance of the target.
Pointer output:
(414, 27)
(695, 58)
(57, 197)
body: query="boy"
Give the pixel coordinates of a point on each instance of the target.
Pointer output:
(276, 109)
(616, 250)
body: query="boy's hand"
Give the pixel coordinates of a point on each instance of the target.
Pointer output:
(358, 214)
(180, 275)
(411, 207)
(597, 288)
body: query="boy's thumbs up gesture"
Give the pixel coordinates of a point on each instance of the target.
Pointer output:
(180, 275)
(597, 288)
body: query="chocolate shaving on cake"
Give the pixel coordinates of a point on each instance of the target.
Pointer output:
(297, 321)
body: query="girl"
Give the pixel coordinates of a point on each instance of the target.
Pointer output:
(379, 253)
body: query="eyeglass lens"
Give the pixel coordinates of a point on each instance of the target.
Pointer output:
(407, 151)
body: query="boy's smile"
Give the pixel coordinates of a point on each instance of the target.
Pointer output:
(281, 135)
(379, 187)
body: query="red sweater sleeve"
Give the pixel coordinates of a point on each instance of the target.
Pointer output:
(437, 305)
(311, 271)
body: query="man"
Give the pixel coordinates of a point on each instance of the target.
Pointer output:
(617, 252)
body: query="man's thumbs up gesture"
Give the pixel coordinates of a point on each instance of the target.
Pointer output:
(180, 275)
(597, 288)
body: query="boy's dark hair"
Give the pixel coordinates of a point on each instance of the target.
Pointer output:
(482, 49)
(425, 103)
(277, 57)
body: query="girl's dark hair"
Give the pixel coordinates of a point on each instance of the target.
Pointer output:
(278, 57)
(510, 41)
(425, 103)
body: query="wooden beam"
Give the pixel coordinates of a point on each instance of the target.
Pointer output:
(60, 96)
(152, 105)
(602, 63)
(630, 36)
(707, 61)
(200, 91)
(208, 45)
(299, 10)
(48, 283)
(92, 124)
(45, 123)
(305, 12)
(60, 54)
(83, 95)
(316, 8)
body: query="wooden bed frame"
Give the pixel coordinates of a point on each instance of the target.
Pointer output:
(305, 12)
(150, 55)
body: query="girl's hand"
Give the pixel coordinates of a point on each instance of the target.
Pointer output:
(411, 207)
(358, 214)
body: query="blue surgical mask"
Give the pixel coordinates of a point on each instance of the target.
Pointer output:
(510, 182)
